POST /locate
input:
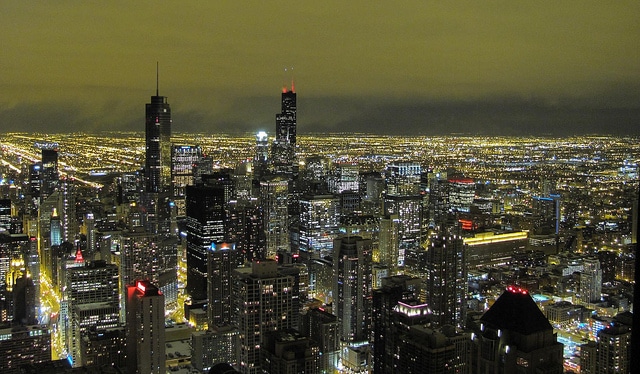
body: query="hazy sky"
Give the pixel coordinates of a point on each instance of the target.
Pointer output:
(398, 67)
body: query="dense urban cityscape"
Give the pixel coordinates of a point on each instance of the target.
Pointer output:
(277, 252)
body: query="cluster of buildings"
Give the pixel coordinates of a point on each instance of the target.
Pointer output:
(288, 265)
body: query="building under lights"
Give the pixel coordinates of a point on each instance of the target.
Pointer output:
(283, 150)
(263, 301)
(610, 353)
(274, 197)
(445, 282)
(352, 287)
(318, 224)
(261, 156)
(222, 259)
(184, 159)
(24, 345)
(145, 328)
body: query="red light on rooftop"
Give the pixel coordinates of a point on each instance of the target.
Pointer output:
(141, 286)
(284, 89)
(516, 289)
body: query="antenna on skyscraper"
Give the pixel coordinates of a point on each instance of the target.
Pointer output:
(157, 80)
(293, 87)
(284, 81)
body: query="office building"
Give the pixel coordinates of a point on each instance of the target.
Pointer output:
(24, 345)
(145, 328)
(222, 259)
(515, 337)
(610, 353)
(287, 351)
(206, 211)
(184, 159)
(283, 150)
(352, 287)
(274, 198)
(322, 327)
(213, 346)
(263, 301)
(445, 281)
(261, 156)
(318, 224)
(104, 347)
(49, 173)
(591, 281)
(157, 167)
(409, 212)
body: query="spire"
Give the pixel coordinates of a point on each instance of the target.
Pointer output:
(157, 80)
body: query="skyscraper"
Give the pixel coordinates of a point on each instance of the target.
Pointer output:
(274, 196)
(184, 159)
(515, 337)
(591, 281)
(445, 283)
(352, 287)
(284, 145)
(205, 208)
(263, 301)
(49, 174)
(261, 157)
(222, 258)
(158, 144)
(145, 328)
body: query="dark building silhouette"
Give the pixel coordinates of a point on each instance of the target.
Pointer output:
(284, 144)
(205, 208)
(514, 336)
(157, 166)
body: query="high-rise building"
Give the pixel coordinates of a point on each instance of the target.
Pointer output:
(139, 251)
(24, 345)
(284, 145)
(145, 328)
(422, 348)
(274, 197)
(287, 351)
(49, 174)
(445, 281)
(184, 159)
(261, 157)
(610, 353)
(318, 224)
(92, 301)
(346, 177)
(157, 166)
(212, 346)
(263, 301)
(410, 215)
(515, 337)
(394, 289)
(591, 281)
(322, 327)
(222, 259)
(205, 208)
(352, 287)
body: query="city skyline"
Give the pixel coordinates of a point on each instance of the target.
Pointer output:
(420, 68)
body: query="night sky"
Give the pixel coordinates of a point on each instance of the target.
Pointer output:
(394, 67)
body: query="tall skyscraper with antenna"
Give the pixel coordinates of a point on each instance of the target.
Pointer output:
(284, 144)
(158, 143)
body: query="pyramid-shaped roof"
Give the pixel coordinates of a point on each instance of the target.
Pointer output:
(516, 311)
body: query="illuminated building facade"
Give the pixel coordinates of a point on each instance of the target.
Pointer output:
(263, 302)
(261, 157)
(24, 345)
(145, 328)
(104, 347)
(284, 145)
(352, 287)
(205, 225)
(410, 214)
(157, 166)
(403, 178)
(222, 259)
(92, 300)
(591, 281)
(139, 252)
(318, 224)
(49, 173)
(445, 281)
(394, 289)
(515, 337)
(611, 353)
(322, 327)
(346, 177)
(212, 346)
(274, 198)
(461, 192)
(184, 159)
